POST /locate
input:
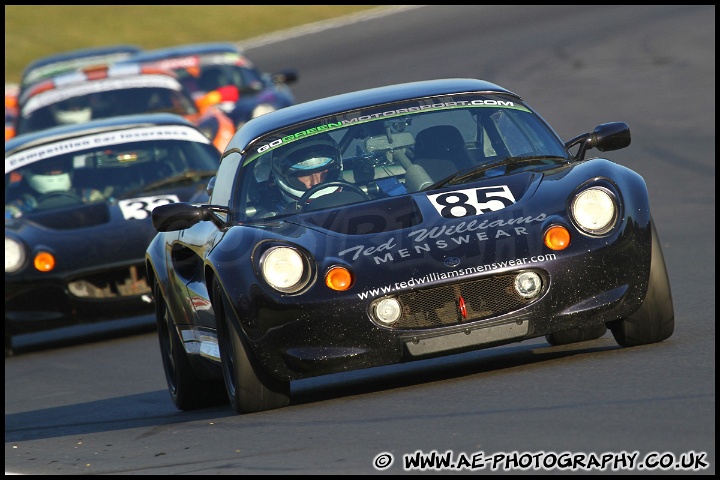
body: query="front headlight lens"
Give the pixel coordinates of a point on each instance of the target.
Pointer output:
(14, 255)
(262, 109)
(594, 210)
(284, 269)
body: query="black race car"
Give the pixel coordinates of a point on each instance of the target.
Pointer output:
(77, 215)
(395, 224)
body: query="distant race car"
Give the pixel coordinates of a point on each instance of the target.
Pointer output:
(394, 224)
(55, 64)
(77, 215)
(221, 74)
(115, 90)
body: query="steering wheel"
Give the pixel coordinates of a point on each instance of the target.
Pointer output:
(58, 199)
(335, 183)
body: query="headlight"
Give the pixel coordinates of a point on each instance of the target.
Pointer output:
(14, 255)
(594, 210)
(285, 269)
(262, 109)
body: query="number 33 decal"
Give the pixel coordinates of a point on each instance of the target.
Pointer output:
(473, 201)
(141, 208)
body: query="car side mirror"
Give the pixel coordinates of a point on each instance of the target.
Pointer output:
(285, 76)
(605, 137)
(172, 217)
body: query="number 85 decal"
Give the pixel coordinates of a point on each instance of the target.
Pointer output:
(472, 201)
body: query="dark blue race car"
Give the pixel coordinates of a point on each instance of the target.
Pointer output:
(71, 60)
(221, 74)
(77, 215)
(396, 224)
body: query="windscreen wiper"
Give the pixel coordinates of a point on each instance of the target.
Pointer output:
(194, 175)
(471, 173)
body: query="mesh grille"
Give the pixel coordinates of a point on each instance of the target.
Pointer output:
(442, 306)
(121, 282)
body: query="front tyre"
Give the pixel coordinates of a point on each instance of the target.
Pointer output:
(654, 321)
(249, 388)
(188, 392)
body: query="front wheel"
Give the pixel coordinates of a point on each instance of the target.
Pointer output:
(187, 390)
(654, 321)
(249, 388)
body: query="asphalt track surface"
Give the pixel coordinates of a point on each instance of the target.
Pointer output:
(99, 404)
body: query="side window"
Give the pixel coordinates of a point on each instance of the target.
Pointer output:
(488, 149)
(226, 179)
(515, 140)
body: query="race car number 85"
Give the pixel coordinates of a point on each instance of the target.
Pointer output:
(141, 208)
(472, 201)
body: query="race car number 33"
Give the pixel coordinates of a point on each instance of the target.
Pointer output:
(141, 208)
(472, 201)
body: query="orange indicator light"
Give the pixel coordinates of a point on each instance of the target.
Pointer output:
(44, 261)
(339, 278)
(557, 237)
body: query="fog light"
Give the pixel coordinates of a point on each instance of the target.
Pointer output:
(387, 310)
(528, 284)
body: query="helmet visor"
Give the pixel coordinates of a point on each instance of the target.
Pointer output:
(306, 162)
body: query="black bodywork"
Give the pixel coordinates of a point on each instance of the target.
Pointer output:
(451, 273)
(99, 247)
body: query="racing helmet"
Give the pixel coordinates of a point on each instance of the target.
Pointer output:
(304, 158)
(49, 176)
(72, 112)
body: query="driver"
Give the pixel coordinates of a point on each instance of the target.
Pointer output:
(47, 177)
(72, 111)
(305, 164)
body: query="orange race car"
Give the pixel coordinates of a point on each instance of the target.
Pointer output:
(11, 98)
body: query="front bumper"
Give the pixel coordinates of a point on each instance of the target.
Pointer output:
(294, 341)
(109, 294)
